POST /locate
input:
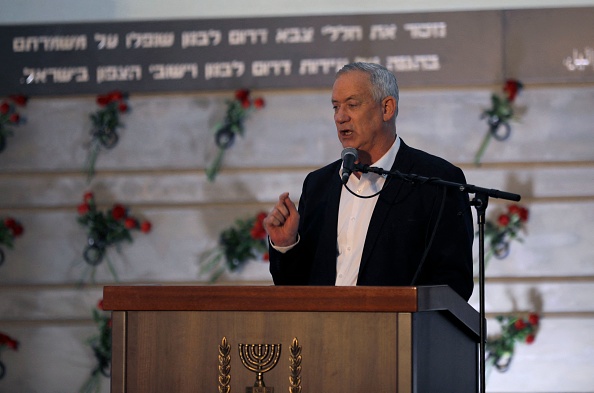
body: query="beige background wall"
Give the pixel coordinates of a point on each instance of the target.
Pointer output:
(158, 169)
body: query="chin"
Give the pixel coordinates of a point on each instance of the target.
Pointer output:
(347, 143)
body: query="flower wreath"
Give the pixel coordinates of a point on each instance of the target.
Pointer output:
(508, 227)
(238, 110)
(6, 342)
(9, 230)
(9, 116)
(105, 122)
(106, 229)
(237, 245)
(499, 115)
(100, 343)
(514, 329)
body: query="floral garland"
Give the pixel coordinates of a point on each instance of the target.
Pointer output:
(6, 342)
(105, 229)
(508, 227)
(106, 121)
(101, 345)
(9, 116)
(499, 115)
(514, 329)
(238, 110)
(237, 245)
(9, 230)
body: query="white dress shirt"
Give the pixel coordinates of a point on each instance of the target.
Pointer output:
(354, 215)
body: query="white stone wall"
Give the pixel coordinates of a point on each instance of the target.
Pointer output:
(157, 169)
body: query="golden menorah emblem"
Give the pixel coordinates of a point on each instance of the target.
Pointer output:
(259, 358)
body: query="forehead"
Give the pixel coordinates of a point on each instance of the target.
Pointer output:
(354, 84)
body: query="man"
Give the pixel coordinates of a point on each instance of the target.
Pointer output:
(336, 238)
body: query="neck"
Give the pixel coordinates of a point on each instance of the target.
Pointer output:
(369, 157)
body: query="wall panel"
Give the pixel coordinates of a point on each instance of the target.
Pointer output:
(158, 170)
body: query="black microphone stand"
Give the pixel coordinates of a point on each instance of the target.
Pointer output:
(480, 203)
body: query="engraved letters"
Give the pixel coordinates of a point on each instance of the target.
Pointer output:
(53, 43)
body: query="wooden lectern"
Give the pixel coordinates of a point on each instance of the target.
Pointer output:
(186, 339)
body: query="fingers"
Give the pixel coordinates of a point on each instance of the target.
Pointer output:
(282, 222)
(291, 208)
(281, 206)
(281, 212)
(275, 219)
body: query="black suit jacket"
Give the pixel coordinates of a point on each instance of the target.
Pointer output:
(399, 232)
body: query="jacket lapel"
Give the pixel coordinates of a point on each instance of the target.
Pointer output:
(326, 255)
(403, 163)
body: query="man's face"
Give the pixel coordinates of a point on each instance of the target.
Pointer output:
(358, 117)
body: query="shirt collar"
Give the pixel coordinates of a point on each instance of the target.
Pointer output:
(386, 161)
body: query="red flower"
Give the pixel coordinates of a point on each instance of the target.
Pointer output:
(265, 256)
(88, 197)
(130, 223)
(514, 209)
(115, 95)
(123, 107)
(512, 88)
(103, 100)
(503, 220)
(530, 338)
(520, 211)
(3, 338)
(100, 304)
(258, 231)
(4, 108)
(106, 99)
(118, 212)
(9, 342)
(14, 226)
(17, 230)
(145, 227)
(20, 100)
(83, 208)
(9, 222)
(520, 324)
(533, 319)
(14, 118)
(259, 103)
(242, 95)
(14, 345)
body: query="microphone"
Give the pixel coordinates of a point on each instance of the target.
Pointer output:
(349, 156)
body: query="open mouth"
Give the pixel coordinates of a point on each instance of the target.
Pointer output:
(346, 132)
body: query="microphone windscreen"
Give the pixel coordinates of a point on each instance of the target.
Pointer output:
(349, 150)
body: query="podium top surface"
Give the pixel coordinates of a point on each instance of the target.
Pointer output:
(290, 298)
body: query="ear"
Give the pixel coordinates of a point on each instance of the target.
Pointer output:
(389, 107)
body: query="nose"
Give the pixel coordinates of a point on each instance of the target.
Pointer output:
(340, 116)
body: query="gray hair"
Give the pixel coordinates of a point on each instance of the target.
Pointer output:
(383, 82)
